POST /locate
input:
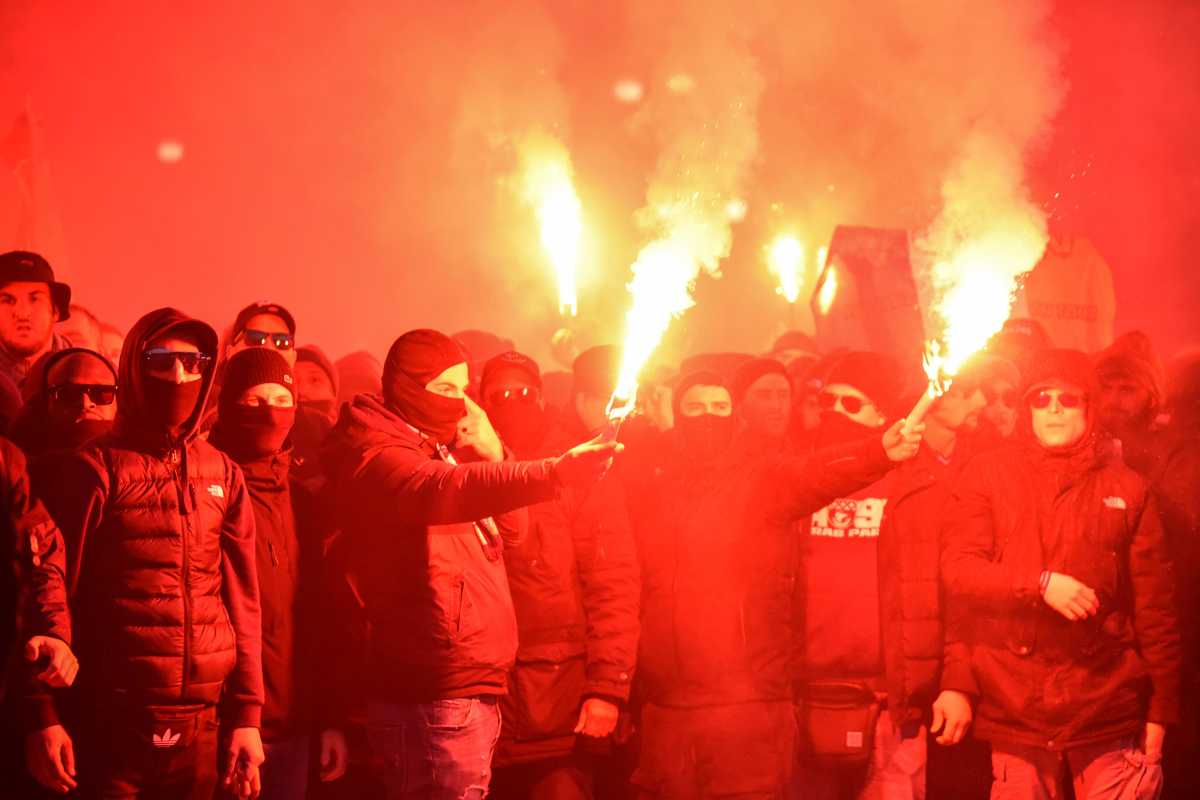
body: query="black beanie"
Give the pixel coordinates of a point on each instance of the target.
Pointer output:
(250, 367)
(874, 374)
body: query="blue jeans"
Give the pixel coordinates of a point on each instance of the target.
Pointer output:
(285, 772)
(440, 751)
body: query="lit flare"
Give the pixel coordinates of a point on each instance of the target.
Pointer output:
(549, 188)
(785, 258)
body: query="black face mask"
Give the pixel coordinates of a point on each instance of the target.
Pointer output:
(168, 405)
(432, 414)
(326, 408)
(837, 428)
(520, 424)
(705, 437)
(250, 432)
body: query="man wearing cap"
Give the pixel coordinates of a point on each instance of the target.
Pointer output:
(427, 536)
(263, 325)
(575, 588)
(162, 589)
(31, 302)
(1053, 549)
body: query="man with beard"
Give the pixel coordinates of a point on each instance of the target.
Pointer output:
(762, 392)
(162, 590)
(1054, 551)
(255, 414)
(1001, 381)
(73, 401)
(1132, 392)
(427, 536)
(31, 301)
(719, 559)
(575, 589)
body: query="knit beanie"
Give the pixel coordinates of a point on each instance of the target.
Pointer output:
(750, 372)
(1059, 366)
(251, 367)
(311, 354)
(874, 374)
(1132, 355)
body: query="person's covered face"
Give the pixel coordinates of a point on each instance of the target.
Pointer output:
(841, 398)
(1123, 402)
(1001, 409)
(27, 317)
(452, 382)
(513, 403)
(174, 368)
(80, 388)
(313, 383)
(767, 405)
(961, 407)
(265, 330)
(705, 421)
(1059, 414)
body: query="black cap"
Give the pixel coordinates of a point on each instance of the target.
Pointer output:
(20, 266)
(510, 360)
(254, 309)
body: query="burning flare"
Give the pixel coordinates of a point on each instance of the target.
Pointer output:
(549, 188)
(829, 289)
(785, 258)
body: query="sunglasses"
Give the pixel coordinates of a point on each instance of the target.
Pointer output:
(523, 395)
(73, 393)
(849, 403)
(1065, 399)
(280, 341)
(164, 361)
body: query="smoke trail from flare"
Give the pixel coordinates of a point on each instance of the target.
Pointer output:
(703, 110)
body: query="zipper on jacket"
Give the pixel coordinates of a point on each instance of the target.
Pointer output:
(186, 493)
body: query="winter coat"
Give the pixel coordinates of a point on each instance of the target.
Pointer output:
(909, 586)
(719, 561)
(277, 556)
(1042, 680)
(33, 572)
(436, 598)
(575, 589)
(161, 571)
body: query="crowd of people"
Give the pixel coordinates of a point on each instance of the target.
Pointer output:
(236, 566)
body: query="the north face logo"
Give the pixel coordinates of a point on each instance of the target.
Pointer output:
(165, 739)
(1115, 502)
(215, 490)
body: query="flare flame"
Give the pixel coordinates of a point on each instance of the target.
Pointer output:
(785, 258)
(549, 188)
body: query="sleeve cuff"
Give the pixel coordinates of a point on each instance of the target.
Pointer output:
(40, 713)
(243, 716)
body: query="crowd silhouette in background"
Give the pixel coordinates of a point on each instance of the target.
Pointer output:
(236, 566)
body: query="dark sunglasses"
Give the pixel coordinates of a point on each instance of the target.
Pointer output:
(164, 361)
(1067, 400)
(73, 393)
(523, 395)
(850, 403)
(280, 341)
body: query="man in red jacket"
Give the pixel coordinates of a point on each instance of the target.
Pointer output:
(427, 537)
(162, 589)
(1053, 550)
(575, 588)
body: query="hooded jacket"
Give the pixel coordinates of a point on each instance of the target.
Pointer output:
(436, 599)
(33, 430)
(575, 587)
(1042, 680)
(161, 573)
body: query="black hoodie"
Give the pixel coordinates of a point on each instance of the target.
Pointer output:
(161, 576)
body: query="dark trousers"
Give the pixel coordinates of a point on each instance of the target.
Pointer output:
(285, 772)
(567, 778)
(158, 754)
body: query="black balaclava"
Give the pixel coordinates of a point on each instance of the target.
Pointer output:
(252, 432)
(168, 404)
(521, 424)
(415, 359)
(706, 437)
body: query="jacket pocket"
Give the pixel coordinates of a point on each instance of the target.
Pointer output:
(546, 689)
(452, 714)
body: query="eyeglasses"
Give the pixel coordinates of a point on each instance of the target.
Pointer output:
(851, 404)
(280, 341)
(164, 361)
(73, 393)
(525, 394)
(1065, 399)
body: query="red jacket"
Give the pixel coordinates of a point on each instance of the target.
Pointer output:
(1042, 680)
(436, 599)
(160, 550)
